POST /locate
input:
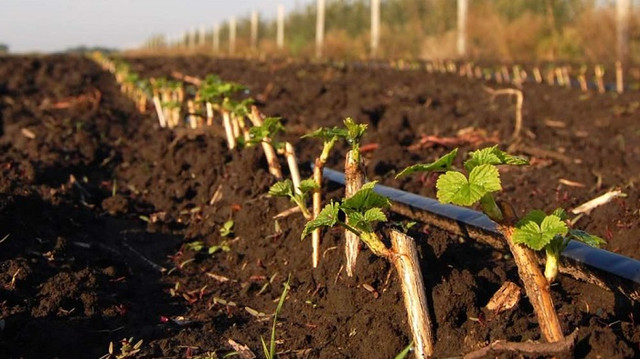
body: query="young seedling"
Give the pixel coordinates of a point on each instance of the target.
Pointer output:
(297, 195)
(329, 138)
(550, 233)
(361, 211)
(256, 119)
(270, 352)
(239, 110)
(227, 228)
(267, 133)
(478, 185)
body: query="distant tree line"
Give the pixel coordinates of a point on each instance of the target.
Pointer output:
(497, 30)
(4, 49)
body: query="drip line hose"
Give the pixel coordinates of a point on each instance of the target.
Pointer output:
(621, 266)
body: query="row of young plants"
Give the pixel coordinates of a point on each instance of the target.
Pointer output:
(362, 208)
(568, 76)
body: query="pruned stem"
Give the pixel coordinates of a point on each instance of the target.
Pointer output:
(317, 207)
(619, 77)
(193, 123)
(599, 72)
(161, 119)
(536, 286)
(405, 259)
(226, 121)
(354, 179)
(235, 126)
(209, 108)
(292, 161)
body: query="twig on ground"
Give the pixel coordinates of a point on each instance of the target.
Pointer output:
(536, 349)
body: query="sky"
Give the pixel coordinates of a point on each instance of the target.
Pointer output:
(55, 25)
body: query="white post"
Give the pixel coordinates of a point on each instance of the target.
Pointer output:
(203, 33)
(462, 27)
(622, 29)
(375, 27)
(232, 35)
(254, 30)
(216, 38)
(320, 28)
(280, 29)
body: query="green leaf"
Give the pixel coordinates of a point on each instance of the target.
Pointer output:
(492, 156)
(560, 213)
(366, 198)
(375, 215)
(269, 128)
(537, 236)
(442, 164)
(536, 216)
(327, 134)
(308, 185)
(328, 217)
(453, 187)
(586, 238)
(282, 189)
(355, 131)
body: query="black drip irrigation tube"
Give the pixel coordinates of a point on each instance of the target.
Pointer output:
(609, 262)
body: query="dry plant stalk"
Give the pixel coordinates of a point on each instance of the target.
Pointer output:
(159, 111)
(226, 122)
(317, 207)
(597, 202)
(519, 101)
(536, 286)
(565, 76)
(405, 259)
(209, 108)
(583, 83)
(537, 75)
(619, 77)
(599, 72)
(235, 125)
(292, 161)
(269, 152)
(354, 179)
(193, 121)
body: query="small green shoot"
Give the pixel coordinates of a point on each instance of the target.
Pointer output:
(224, 246)
(403, 354)
(270, 127)
(329, 136)
(550, 232)
(270, 352)
(355, 131)
(227, 228)
(285, 189)
(362, 210)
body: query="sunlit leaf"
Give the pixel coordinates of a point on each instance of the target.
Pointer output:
(453, 187)
(442, 164)
(328, 217)
(537, 236)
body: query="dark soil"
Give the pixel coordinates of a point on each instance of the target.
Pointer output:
(103, 209)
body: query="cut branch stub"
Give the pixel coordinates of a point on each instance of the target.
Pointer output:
(354, 179)
(405, 259)
(536, 286)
